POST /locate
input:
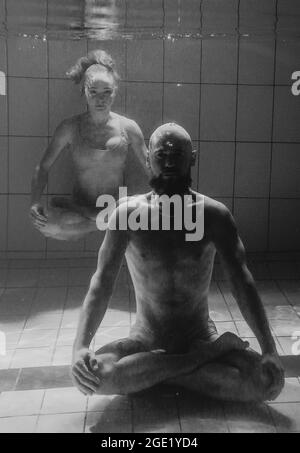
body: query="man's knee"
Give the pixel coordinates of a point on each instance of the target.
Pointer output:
(110, 374)
(256, 377)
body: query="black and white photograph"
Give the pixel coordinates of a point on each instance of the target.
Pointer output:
(149, 219)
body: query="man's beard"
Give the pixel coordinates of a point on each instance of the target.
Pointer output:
(170, 186)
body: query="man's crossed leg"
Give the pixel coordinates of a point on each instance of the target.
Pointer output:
(224, 369)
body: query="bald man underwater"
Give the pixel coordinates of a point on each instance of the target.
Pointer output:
(173, 340)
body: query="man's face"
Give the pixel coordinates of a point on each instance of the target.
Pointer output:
(100, 93)
(171, 157)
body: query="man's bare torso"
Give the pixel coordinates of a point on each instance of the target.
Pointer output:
(171, 278)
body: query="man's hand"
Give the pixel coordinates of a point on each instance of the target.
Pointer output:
(38, 216)
(84, 369)
(273, 368)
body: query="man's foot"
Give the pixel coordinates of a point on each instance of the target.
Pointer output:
(229, 342)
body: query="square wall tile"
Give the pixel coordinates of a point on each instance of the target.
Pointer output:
(144, 105)
(65, 100)
(256, 15)
(3, 164)
(218, 112)
(285, 170)
(287, 61)
(24, 154)
(21, 233)
(69, 13)
(61, 175)
(63, 55)
(219, 61)
(119, 105)
(3, 222)
(256, 61)
(284, 225)
(179, 15)
(28, 107)
(2, 9)
(251, 216)
(181, 105)
(33, 12)
(252, 171)
(182, 61)
(220, 15)
(3, 53)
(117, 50)
(145, 13)
(288, 7)
(145, 60)
(288, 15)
(254, 121)
(286, 116)
(27, 57)
(216, 169)
(3, 116)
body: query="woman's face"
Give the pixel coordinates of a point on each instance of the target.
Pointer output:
(100, 93)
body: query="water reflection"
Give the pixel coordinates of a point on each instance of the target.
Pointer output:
(121, 19)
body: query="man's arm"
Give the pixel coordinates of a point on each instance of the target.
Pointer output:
(232, 252)
(95, 305)
(101, 286)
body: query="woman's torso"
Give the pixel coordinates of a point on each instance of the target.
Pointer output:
(99, 156)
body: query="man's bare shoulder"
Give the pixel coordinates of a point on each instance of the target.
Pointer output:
(125, 206)
(218, 216)
(215, 209)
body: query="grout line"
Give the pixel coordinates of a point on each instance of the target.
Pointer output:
(163, 67)
(177, 406)
(182, 82)
(200, 99)
(272, 131)
(8, 131)
(292, 199)
(45, 240)
(236, 108)
(195, 140)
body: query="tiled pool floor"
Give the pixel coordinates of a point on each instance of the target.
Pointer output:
(39, 306)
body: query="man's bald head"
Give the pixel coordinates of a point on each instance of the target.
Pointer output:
(170, 159)
(170, 134)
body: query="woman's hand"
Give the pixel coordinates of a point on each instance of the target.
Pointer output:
(38, 216)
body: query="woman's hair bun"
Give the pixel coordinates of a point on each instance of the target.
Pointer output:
(100, 57)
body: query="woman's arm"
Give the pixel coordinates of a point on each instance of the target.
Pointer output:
(60, 139)
(137, 142)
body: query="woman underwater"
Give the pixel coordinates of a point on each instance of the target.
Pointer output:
(99, 141)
